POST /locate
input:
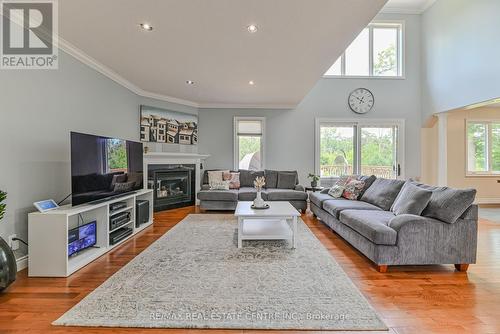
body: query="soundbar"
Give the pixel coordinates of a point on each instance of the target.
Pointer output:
(119, 235)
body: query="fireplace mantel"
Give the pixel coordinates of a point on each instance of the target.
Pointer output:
(173, 155)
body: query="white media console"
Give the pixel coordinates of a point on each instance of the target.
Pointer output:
(48, 234)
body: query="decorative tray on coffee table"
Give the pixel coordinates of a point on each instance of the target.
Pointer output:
(266, 206)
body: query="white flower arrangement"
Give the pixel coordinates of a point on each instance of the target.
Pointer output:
(259, 183)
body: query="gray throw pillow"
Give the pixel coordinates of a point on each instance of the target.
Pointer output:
(271, 178)
(248, 176)
(287, 180)
(411, 200)
(368, 180)
(382, 193)
(447, 204)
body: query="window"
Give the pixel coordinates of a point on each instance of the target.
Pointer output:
(354, 147)
(376, 52)
(249, 143)
(483, 147)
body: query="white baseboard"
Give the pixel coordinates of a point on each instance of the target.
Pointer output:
(487, 201)
(22, 263)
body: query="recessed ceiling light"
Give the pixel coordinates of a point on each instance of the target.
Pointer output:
(190, 82)
(252, 28)
(251, 83)
(146, 26)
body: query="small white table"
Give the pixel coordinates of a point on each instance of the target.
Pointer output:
(279, 222)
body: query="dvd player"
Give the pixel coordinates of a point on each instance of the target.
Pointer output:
(119, 235)
(117, 206)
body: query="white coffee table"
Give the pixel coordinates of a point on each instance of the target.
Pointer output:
(279, 222)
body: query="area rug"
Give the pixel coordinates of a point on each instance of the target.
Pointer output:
(195, 277)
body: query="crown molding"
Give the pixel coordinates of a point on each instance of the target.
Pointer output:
(245, 106)
(84, 58)
(406, 10)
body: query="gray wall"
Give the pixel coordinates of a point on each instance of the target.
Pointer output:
(461, 52)
(290, 134)
(38, 109)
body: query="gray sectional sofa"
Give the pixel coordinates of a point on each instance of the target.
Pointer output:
(444, 233)
(280, 186)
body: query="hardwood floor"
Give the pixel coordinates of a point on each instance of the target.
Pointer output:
(416, 299)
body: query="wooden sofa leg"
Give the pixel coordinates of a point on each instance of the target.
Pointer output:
(462, 267)
(382, 268)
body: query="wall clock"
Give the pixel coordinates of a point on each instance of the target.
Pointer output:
(361, 100)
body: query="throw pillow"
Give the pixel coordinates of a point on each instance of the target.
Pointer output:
(219, 185)
(353, 189)
(336, 191)
(411, 200)
(214, 176)
(368, 182)
(271, 178)
(233, 178)
(248, 176)
(287, 180)
(383, 193)
(447, 204)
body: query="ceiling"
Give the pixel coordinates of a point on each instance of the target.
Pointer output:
(407, 6)
(208, 42)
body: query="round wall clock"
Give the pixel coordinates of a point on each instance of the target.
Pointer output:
(361, 100)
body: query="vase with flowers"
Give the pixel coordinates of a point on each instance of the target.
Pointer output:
(259, 183)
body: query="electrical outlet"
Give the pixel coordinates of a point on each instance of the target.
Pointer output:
(14, 244)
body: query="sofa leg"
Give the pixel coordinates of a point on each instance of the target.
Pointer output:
(382, 268)
(462, 266)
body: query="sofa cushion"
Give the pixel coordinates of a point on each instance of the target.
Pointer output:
(248, 176)
(447, 204)
(411, 200)
(371, 224)
(383, 192)
(287, 180)
(285, 195)
(218, 195)
(335, 206)
(249, 194)
(271, 178)
(318, 198)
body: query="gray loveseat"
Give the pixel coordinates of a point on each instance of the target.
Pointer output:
(280, 186)
(444, 233)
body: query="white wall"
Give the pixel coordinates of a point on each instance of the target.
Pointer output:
(290, 134)
(460, 52)
(38, 109)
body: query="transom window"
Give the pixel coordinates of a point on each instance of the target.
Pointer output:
(483, 147)
(376, 52)
(249, 143)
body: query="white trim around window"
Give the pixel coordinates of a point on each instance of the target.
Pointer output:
(400, 49)
(236, 149)
(489, 151)
(400, 140)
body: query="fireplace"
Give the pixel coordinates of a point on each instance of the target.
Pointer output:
(173, 185)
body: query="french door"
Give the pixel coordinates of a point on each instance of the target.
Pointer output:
(367, 148)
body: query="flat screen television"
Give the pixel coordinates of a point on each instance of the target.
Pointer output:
(103, 167)
(82, 237)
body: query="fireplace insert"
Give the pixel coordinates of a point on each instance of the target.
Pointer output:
(173, 185)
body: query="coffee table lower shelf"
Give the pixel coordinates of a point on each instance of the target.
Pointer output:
(266, 229)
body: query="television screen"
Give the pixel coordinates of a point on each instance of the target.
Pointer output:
(103, 167)
(81, 238)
